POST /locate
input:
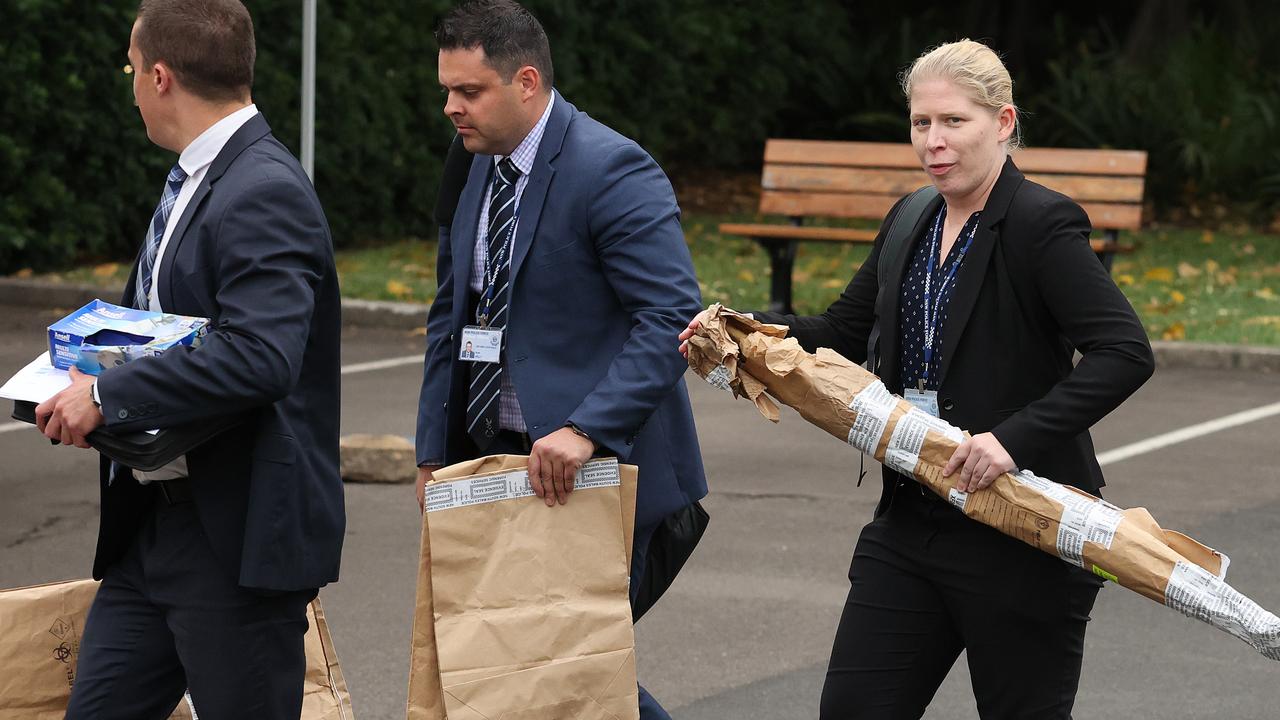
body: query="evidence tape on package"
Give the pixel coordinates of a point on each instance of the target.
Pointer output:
(513, 484)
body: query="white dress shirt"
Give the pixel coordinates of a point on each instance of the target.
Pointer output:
(509, 415)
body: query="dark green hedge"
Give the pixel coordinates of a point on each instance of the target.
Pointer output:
(700, 84)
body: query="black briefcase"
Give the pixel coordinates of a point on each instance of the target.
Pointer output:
(672, 543)
(143, 450)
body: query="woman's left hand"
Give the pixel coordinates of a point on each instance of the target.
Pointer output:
(983, 459)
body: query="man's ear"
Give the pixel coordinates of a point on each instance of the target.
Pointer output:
(530, 81)
(162, 77)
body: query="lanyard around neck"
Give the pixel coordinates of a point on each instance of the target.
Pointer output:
(932, 305)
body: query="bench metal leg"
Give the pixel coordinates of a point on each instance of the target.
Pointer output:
(782, 259)
(1112, 236)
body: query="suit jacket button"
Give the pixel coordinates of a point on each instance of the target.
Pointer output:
(948, 404)
(122, 414)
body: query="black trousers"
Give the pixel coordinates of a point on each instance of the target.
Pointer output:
(927, 582)
(168, 617)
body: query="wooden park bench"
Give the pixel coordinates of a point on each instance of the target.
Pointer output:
(814, 179)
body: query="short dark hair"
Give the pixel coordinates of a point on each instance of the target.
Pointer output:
(509, 34)
(208, 44)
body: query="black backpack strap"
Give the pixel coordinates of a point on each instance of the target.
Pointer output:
(457, 166)
(896, 241)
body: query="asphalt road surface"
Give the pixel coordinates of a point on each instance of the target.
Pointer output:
(747, 627)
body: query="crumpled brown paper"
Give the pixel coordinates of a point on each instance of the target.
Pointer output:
(40, 628)
(749, 359)
(522, 610)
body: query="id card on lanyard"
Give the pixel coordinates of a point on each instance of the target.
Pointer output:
(927, 400)
(480, 342)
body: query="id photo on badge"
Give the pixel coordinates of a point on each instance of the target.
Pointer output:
(481, 344)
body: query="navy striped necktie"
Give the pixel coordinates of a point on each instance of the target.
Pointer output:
(147, 262)
(486, 378)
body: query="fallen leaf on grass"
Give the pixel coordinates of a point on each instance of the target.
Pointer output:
(1178, 297)
(399, 289)
(1187, 270)
(1159, 274)
(833, 283)
(1263, 320)
(1265, 293)
(1176, 331)
(1207, 237)
(105, 270)
(1211, 266)
(746, 276)
(1249, 249)
(1124, 279)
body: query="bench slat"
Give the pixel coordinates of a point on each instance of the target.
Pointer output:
(1111, 216)
(901, 156)
(850, 235)
(900, 182)
(843, 205)
(792, 232)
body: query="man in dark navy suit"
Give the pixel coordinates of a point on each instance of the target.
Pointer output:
(566, 256)
(208, 564)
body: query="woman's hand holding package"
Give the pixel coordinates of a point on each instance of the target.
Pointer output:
(982, 458)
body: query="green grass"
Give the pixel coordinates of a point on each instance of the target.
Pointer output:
(1185, 284)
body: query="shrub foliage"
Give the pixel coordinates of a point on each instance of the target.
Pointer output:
(699, 84)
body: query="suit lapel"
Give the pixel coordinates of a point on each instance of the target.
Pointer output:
(974, 270)
(535, 192)
(249, 133)
(888, 301)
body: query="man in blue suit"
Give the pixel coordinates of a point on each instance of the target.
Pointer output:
(566, 250)
(208, 564)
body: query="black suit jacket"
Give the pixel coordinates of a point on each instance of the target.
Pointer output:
(252, 252)
(1031, 292)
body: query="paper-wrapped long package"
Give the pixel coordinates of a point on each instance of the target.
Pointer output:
(755, 360)
(40, 628)
(522, 610)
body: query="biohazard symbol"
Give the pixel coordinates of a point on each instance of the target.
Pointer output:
(62, 653)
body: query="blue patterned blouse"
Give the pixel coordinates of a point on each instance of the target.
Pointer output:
(911, 301)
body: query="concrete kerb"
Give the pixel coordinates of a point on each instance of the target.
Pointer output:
(410, 316)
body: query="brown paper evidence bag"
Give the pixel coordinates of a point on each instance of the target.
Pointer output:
(40, 629)
(522, 610)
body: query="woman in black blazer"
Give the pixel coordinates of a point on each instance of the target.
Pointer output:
(1013, 290)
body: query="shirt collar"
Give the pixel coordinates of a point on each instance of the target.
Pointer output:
(202, 151)
(525, 153)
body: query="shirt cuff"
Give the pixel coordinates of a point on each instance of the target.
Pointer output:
(96, 397)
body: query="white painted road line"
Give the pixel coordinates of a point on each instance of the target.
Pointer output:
(1188, 433)
(347, 370)
(381, 364)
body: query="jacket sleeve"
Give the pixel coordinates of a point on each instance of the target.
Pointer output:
(437, 367)
(1095, 317)
(634, 223)
(272, 249)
